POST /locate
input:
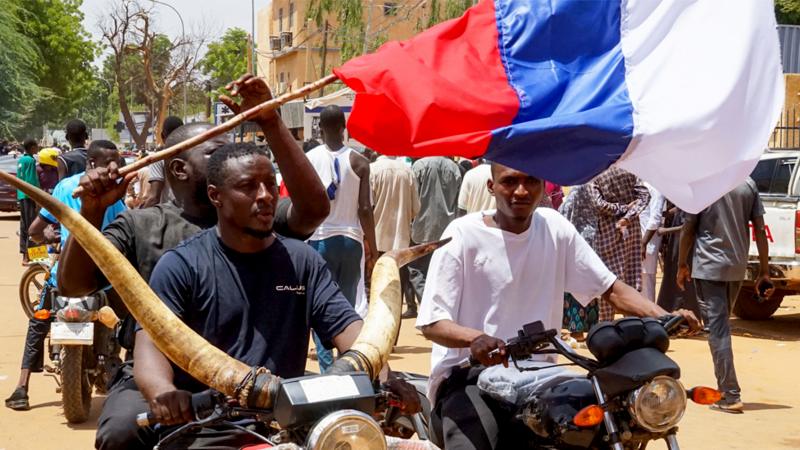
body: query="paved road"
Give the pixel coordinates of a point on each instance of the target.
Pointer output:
(767, 357)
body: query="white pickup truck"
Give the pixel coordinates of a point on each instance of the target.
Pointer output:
(778, 181)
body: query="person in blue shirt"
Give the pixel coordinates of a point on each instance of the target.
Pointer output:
(100, 154)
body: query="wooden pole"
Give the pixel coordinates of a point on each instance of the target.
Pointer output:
(235, 121)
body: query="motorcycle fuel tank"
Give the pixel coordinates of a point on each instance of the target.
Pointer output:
(554, 409)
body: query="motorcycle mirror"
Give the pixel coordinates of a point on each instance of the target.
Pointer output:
(704, 395)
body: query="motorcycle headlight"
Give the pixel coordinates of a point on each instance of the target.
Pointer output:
(346, 430)
(658, 405)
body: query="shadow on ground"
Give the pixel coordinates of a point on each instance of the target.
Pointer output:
(783, 326)
(750, 406)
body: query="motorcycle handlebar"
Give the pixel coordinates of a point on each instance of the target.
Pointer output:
(203, 404)
(672, 323)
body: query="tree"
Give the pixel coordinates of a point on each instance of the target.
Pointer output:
(18, 58)
(787, 12)
(349, 32)
(164, 64)
(441, 11)
(65, 73)
(226, 59)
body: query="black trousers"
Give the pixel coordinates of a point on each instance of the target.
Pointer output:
(33, 353)
(464, 419)
(27, 213)
(418, 272)
(116, 427)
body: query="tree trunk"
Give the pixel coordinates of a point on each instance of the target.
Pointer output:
(139, 138)
(163, 110)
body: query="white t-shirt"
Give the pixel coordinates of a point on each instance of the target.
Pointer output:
(496, 281)
(474, 195)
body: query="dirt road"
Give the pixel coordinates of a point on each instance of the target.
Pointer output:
(767, 361)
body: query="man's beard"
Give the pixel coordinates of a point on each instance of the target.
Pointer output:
(259, 234)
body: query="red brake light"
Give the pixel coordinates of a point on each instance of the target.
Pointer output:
(797, 232)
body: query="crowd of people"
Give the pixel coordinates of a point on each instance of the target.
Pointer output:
(202, 226)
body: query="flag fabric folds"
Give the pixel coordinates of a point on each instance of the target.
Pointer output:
(682, 93)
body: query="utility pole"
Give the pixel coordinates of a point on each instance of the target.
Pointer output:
(307, 76)
(253, 68)
(250, 54)
(324, 55)
(366, 29)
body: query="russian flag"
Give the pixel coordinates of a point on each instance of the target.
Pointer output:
(683, 93)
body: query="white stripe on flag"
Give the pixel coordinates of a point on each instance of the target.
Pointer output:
(706, 85)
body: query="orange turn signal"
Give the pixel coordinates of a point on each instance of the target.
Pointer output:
(590, 416)
(705, 395)
(42, 314)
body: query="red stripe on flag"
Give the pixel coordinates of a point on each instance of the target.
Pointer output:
(439, 93)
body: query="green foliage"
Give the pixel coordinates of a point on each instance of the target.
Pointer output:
(455, 8)
(442, 10)
(19, 57)
(226, 59)
(65, 73)
(349, 32)
(787, 12)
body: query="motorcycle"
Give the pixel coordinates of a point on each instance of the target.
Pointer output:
(630, 396)
(84, 355)
(316, 412)
(33, 283)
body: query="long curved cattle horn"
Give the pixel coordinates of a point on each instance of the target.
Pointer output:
(184, 347)
(371, 350)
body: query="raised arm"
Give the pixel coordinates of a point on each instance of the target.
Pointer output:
(310, 205)
(640, 202)
(603, 206)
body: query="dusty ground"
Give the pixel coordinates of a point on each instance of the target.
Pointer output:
(767, 360)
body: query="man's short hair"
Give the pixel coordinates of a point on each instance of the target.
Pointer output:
(76, 129)
(96, 148)
(332, 117)
(187, 131)
(29, 144)
(216, 164)
(170, 124)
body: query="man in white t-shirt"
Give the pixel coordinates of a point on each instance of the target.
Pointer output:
(503, 269)
(474, 195)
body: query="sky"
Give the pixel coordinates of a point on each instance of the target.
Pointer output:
(215, 16)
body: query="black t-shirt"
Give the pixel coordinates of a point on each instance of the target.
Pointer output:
(75, 161)
(143, 235)
(258, 308)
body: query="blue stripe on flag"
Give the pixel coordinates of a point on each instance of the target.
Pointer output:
(564, 60)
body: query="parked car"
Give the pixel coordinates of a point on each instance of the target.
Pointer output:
(778, 181)
(8, 194)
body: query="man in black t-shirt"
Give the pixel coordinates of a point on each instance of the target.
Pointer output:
(74, 161)
(143, 235)
(249, 292)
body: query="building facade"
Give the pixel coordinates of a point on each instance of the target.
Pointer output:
(290, 46)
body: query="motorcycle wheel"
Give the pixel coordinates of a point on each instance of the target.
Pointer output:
(30, 288)
(76, 389)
